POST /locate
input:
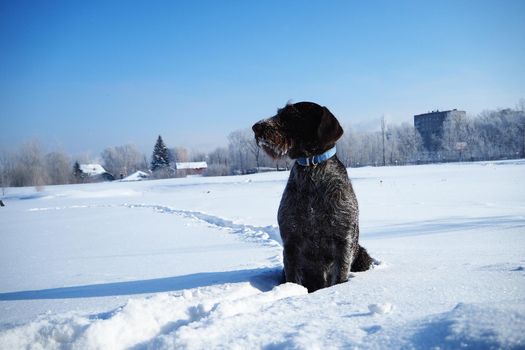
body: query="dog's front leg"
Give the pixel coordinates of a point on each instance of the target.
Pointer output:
(292, 273)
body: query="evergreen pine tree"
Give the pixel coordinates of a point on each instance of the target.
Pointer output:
(160, 157)
(77, 173)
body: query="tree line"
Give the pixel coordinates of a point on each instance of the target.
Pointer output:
(491, 135)
(497, 134)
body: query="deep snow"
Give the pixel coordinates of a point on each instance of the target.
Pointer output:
(194, 263)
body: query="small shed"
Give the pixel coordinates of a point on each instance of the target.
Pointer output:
(137, 176)
(184, 169)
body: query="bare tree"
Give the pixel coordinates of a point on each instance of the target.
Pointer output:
(239, 151)
(123, 160)
(197, 156)
(500, 134)
(6, 170)
(218, 162)
(250, 144)
(401, 144)
(179, 154)
(246, 156)
(58, 168)
(219, 156)
(29, 167)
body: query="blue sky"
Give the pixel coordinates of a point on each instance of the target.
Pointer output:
(84, 75)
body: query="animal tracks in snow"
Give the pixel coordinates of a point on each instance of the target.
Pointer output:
(266, 235)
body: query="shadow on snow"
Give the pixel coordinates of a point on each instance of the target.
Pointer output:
(439, 226)
(263, 279)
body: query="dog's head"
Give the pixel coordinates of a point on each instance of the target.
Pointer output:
(302, 129)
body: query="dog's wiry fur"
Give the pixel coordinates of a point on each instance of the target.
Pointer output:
(318, 214)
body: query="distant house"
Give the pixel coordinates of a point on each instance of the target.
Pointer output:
(95, 172)
(191, 168)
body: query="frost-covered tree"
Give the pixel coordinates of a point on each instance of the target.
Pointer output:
(58, 167)
(399, 144)
(499, 134)
(178, 154)
(253, 148)
(123, 160)
(404, 145)
(29, 169)
(245, 156)
(6, 169)
(239, 153)
(218, 162)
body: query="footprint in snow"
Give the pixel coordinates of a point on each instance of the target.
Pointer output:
(380, 309)
(372, 329)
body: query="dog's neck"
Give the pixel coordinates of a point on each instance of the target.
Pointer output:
(317, 159)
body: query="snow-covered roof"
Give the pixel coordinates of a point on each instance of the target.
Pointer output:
(136, 176)
(191, 165)
(92, 169)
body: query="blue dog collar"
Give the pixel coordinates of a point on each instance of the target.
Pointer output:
(314, 160)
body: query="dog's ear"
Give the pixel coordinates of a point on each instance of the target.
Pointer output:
(329, 130)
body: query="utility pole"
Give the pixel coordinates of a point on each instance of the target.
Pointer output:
(521, 107)
(383, 129)
(523, 147)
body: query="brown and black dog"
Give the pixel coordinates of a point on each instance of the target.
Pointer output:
(318, 214)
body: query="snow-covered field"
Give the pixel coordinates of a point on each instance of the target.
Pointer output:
(194, 263)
